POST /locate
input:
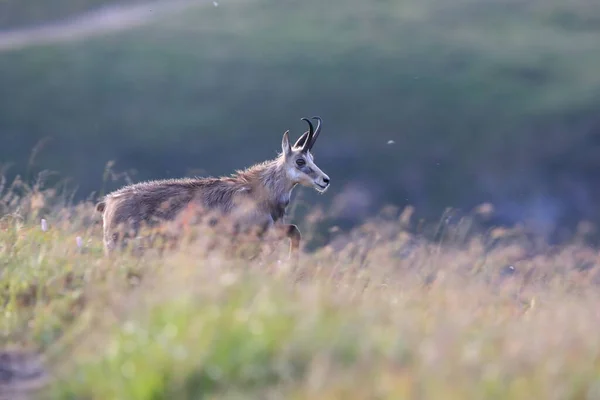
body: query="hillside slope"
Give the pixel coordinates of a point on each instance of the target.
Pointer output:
(492, 100)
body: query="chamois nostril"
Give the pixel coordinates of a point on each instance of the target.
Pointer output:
(326, 180)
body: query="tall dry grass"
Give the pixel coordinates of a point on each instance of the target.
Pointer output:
(380, 312)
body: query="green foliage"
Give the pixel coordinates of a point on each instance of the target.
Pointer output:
(473, 93)
(385, 315)
(251, 340)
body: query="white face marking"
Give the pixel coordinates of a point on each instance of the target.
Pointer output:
(317, 180)
(294, 174)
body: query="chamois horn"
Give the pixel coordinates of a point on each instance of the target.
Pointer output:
(316, 133)
(306, 138)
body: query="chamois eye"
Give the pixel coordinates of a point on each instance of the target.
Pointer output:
(300, 162)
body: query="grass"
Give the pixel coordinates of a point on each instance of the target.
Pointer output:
(379, 313)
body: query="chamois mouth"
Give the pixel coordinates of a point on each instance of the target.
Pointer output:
(321, 188)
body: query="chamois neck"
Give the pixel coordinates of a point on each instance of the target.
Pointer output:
(269, 179)
(273, 178)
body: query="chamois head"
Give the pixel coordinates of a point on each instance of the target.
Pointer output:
(299, 162)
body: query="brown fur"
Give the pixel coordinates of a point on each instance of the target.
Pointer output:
(256, 196)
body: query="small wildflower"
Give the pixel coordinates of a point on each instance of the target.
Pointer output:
(44, 225)
(79, 241)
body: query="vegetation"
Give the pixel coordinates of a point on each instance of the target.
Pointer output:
(424, 102)
(381, 313)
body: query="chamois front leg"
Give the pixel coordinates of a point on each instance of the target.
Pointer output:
(291, 232)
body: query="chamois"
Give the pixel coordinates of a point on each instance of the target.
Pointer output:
(255, 197)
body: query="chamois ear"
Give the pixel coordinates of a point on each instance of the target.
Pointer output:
(285, 143)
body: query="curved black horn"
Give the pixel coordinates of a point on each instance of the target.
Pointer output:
(311, 131)
(316, 134)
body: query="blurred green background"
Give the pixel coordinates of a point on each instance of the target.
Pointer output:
(431, 103)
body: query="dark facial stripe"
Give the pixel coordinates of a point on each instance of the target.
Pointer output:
(306, 169)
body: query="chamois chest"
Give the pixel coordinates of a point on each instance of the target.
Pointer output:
(278, 208)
